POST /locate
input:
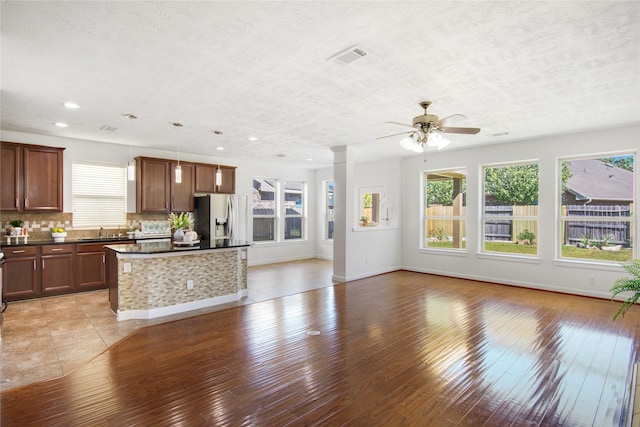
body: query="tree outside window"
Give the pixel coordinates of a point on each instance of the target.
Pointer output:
(445, 209)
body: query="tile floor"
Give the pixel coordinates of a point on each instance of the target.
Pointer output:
(48, 337)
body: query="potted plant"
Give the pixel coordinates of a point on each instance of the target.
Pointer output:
(178, 223)
(16, 227)
(628, 284)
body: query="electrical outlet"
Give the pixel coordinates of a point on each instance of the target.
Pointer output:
(190, 285)
(243, 255)
(127, 267)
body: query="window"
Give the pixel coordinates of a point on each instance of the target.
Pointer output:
(445, 209)
(510, 214)
(278, 206)
(329, 199)
(264, 210)
(370, 203)
(293, 210)
(597, 208)
(99, 195)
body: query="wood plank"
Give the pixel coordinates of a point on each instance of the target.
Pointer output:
(396, 349)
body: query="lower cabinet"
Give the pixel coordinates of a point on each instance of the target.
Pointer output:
(21, 273)
(90, 266)
(38, 271)
(58, 267)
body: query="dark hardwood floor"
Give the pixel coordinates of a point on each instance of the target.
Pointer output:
(399, 349)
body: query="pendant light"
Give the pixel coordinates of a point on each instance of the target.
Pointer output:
(131, 164)
(178, 167)
(218, 177)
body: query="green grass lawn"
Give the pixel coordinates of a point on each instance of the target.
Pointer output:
(567, 251)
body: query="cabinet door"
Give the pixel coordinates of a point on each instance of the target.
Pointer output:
(152, 185)
(205, 178)
(20, 278)
(57, 274)
(10, 172)
(228, 185)
(90, 270)
(42, 178)
(182, 193)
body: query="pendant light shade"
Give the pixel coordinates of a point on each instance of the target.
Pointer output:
(131, 171)
(178, 174)
(218, 176)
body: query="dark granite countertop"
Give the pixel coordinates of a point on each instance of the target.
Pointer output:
(168, 247)
(67, 240)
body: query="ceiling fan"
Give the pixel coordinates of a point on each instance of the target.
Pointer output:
(427, 129)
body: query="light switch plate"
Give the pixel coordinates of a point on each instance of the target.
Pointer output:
(127, 267)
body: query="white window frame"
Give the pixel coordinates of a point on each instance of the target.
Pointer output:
(561, 219)
(484, 217)
(302, 216)
(328, 212)
(96, 188)
(275, 216)
(426, 217)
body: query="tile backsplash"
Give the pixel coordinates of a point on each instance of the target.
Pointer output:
(39, 224)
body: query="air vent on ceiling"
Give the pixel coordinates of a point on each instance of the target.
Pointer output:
(348, 56)
(108, 128)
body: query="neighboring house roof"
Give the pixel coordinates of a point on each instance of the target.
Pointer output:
(596, 180)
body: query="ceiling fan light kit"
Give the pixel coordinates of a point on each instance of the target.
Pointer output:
(428, 129)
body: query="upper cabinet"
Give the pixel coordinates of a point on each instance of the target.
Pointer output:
(152, 185)
(206, 179)
(31, 178)
(182, 192)
(157, 189)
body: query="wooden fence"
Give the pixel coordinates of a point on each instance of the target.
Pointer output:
(614, 232)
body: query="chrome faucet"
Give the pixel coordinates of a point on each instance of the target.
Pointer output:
(100, 233)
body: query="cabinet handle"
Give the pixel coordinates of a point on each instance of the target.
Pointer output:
(56, 250)
(43, 264)
(26, 203)
(18, 252)
(17, 202)
(34, 264)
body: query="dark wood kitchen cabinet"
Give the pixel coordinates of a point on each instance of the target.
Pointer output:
(206, 179)
(21, 273)
(182, 193)
(156, 187)
(152, 185)
(58, 268)
(90, 266)
(31, 178)
(11, 171)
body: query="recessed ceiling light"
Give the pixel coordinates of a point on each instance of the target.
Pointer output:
(61, 125)
(252, 138)
(219, 148)
(309, 160)
(71, 105)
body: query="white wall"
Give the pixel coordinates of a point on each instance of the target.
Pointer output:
(92, 151)
(543, 271)
(375, 250)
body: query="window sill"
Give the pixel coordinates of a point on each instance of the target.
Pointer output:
(593, 265)
(375, 228)
(450, 252)
(281, 243)
(510, 258)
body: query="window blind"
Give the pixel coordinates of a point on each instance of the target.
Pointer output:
(99, 195)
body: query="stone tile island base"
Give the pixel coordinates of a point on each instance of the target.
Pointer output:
(154, 285)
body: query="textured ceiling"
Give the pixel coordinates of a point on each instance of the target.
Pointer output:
(261, 69)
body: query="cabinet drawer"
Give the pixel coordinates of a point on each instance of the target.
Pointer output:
(90, 247)
(20, 251)
(57, 249)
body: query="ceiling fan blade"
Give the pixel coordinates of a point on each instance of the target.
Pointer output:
(469, 131)
(395, 134)
(401, 124)
(451, 120)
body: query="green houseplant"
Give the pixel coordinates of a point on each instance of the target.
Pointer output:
(628, 284)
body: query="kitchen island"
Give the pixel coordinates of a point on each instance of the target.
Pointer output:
(148, 280)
